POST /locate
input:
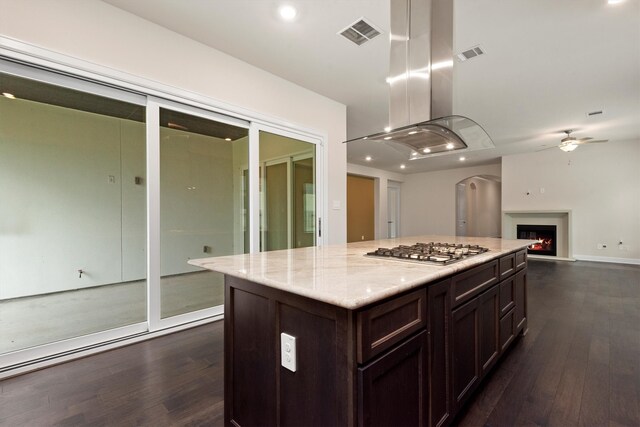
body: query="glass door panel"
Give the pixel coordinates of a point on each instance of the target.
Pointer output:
(203, 193)
(276, 206)
(288, 189)
(73, 216)
(304, 203)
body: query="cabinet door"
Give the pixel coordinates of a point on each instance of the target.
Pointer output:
(521, 301)
(489, 313)
(507, 329)
(465, 325)
(439, 327)
(393, 388)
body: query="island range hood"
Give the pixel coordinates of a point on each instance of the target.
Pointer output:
(421, 86)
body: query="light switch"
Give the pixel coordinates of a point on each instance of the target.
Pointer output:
(288, 351)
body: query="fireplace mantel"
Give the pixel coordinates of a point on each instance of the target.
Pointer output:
(560, 218)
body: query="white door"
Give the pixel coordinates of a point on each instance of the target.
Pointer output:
(393, 212)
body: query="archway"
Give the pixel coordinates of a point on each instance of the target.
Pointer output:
(479, 206)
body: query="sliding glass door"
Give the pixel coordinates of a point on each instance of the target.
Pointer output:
(73, 210)
(288, 192)
(105, 196)
(201, 204)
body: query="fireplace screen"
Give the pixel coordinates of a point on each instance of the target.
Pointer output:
(545, 236)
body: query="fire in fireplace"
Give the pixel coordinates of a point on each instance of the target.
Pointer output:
(545, 236)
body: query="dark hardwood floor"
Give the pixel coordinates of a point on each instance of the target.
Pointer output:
(578, 365)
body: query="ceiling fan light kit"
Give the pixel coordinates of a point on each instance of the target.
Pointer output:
(570, 143)
(568, 146)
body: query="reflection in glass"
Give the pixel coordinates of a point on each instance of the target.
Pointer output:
(203, 196)
(288, 200)
(73, 217)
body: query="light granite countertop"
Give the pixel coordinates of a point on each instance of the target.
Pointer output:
(341, 275)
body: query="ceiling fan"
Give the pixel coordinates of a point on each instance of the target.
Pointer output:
(570, 143)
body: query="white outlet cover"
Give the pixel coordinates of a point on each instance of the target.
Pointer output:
(288, 352)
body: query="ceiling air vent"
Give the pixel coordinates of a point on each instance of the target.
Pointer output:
(359, 32)
(470, 53)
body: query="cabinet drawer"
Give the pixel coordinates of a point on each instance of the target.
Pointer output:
(507, 329)
(465, 286)
(507, 295)
(388, 323)
(521, 259)
(507, 266)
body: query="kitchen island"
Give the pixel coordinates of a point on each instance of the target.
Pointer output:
(328, 336)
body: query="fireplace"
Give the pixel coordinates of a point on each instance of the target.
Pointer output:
(544, 234)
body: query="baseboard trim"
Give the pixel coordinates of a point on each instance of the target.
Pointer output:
(633, 261)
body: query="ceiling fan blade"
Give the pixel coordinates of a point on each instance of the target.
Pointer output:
(579, 140)
(598, 141)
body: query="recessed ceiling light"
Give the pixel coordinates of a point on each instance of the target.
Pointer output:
(426, 150)
(413, 154)
(386, 138)
(413, 132)
(287, 12)
(227, 139)
(449, 146)
(402, 166)
(177, 126)
(387, 128)
(8, 95)
(462, 159)
(366, 137)
(368, 158)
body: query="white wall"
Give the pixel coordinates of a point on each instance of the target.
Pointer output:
(381, 181)
(599, 183)
(482, 211)
(61, 212)
(99, 33)
(429, 199)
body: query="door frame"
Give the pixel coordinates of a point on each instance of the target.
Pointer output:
(255, 203)
(154, 298)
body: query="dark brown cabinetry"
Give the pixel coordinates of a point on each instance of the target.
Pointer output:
(393, 388)
(411, 359)
(521, 301)
(386, 324)
(439, 327)
(489, 315)
(475, 342)
(465, 349)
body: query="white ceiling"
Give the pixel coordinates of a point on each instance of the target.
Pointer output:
(547, 63)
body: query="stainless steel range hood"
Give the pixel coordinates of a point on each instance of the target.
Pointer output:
(421, 85)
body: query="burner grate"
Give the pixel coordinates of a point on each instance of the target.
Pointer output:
(435, 253)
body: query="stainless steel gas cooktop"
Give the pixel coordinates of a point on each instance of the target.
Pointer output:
(431, 253)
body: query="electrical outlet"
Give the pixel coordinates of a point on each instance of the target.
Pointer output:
(602, 246)
(288, 351)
